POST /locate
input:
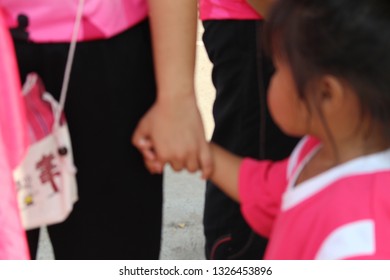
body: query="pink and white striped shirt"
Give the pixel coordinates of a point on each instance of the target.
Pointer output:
(342, 213)
(53, 20)
(227, 9)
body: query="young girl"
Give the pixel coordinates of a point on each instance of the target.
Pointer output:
(331, 198)
(242, 122)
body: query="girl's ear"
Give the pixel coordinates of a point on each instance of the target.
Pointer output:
(331, 94)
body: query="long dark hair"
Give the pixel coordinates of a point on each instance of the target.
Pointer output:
(349, 39)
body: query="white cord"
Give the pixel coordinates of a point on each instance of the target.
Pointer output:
(69, 62)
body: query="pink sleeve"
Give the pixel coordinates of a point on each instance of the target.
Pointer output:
(261, 185)
(13, 145)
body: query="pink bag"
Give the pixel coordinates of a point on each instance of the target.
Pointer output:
(46, 182)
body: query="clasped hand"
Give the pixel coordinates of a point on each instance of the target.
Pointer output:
(172, 132)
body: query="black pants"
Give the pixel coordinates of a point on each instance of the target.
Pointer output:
(119, 212)
(243, 125)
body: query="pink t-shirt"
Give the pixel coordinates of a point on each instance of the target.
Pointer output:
(342, 213)
(13, 146)
(226, 9)
(53, 20)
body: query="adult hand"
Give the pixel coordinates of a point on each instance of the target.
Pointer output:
(172, 132)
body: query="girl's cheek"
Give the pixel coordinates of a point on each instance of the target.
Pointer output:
(275, 105)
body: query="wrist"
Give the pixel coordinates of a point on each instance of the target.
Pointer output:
(176, 95)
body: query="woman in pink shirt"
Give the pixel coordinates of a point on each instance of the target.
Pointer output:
(241, 71)
(112, 85)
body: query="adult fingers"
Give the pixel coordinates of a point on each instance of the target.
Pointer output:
(177, 165)
(141, 134)
(146, 147)
(192, 164)
(154, 166)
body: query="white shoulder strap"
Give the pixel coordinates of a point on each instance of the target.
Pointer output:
(69, 62)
